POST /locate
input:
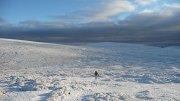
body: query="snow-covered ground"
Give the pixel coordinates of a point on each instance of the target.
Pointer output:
(33, 71)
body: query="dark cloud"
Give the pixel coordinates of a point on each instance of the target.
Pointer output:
(136, 28)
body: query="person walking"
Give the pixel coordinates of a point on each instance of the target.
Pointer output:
(96, 74)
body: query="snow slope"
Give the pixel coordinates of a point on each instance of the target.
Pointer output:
(34, 71)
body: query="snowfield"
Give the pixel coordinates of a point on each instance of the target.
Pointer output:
(34, 71)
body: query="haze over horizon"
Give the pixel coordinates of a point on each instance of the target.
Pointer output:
(91, 20)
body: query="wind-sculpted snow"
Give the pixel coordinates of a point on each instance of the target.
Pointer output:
(33, 71)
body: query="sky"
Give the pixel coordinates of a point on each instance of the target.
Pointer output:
(91, 20)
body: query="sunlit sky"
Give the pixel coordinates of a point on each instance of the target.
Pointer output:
(16, 11)
(163, 15)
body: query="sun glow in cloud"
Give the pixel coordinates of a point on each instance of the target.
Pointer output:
(145, 2)
(113, 8)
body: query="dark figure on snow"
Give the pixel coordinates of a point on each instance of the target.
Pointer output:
(96, 74)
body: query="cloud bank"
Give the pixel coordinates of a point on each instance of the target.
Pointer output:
(157, 24)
